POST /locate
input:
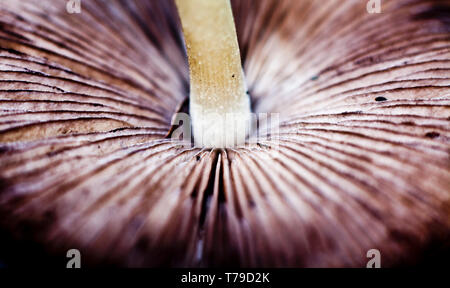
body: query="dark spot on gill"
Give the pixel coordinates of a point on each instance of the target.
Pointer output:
(52, 153)
(118, 129)
(432, 135)
(232, 76)
(15, 52)
(380, 99)
(35, 73)
(368, 60)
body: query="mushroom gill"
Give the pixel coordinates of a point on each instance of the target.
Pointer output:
(360, 161)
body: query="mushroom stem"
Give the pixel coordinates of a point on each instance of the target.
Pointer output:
(219, 104)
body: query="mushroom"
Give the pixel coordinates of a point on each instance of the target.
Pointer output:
(360, 160)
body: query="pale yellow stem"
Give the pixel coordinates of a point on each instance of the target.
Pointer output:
(219, 104)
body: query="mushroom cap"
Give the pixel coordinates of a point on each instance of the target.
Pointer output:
(360, 160)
